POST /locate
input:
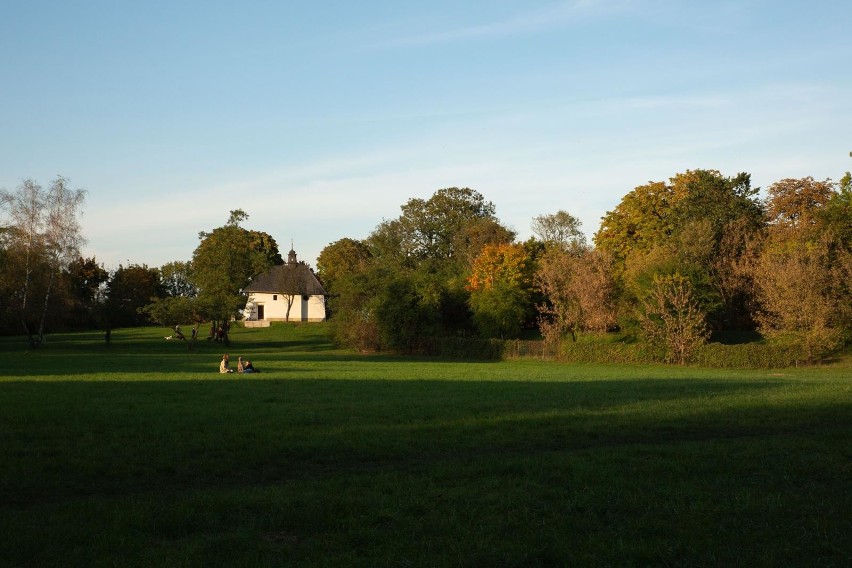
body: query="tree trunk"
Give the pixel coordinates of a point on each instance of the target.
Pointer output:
(44, 309)
(290, 300)
(24, 297)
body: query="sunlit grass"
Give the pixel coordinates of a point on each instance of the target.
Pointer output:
(141, 453)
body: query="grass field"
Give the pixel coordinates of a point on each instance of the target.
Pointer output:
(141, 454)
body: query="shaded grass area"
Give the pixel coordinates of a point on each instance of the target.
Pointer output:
(142, 454)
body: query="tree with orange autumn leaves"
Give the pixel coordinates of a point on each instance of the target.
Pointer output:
(500, 285)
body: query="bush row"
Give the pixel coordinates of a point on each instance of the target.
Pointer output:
(748, 355)
(715, 355)
(607, 352)
(597, 350)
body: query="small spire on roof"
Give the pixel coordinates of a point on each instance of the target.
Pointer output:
(291, 257)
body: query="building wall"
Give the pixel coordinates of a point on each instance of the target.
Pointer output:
(275, 308)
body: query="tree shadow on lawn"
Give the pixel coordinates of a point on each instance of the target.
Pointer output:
(63, 439)
(198, 362)
(333, 462)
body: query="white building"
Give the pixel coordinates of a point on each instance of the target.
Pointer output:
(288, 292)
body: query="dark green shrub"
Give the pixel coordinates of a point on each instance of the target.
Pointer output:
(596, 351)
(463, 348)
(754, 355)
(621, 349)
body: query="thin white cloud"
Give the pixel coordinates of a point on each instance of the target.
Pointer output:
(553, 16)
(673, 102)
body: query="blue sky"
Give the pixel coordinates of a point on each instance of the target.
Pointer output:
(321, 118)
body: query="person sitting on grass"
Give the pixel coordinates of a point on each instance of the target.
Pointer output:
(249, 368)
(223, 366)
(240, 367)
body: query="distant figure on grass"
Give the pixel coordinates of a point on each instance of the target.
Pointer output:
(245, 366)
(179, 333)
(223, 366)
(218, 333)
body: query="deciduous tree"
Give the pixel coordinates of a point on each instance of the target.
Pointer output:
(173, 311)
(652, 214)
(354, 305)
(796, 203)
(671, 318)
(500, 284)
(642, 219)
(836, 216)
(340, 258)
(688, 218)
(130, 288)
(560, 229)
(434, 242)
(432, 226)
(176, 279)
(26, 246)
(223, 264)
(63, 234)
(45, 234)
(803, 290)
(579, 290)
(716, 199)
(81, 284)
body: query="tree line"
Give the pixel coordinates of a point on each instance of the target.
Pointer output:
(47, 285)
(677, 263)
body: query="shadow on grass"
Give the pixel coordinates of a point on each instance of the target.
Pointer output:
(66, 438)
(121, 363)
(80, 354)
(334, 463)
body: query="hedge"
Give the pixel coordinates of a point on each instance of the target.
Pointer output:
(713, 355)
(748, 355)
(604, 350)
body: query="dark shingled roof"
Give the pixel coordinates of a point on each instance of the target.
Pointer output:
(290, 279)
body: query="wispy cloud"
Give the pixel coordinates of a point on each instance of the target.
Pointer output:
(674, 102)
(556, 15)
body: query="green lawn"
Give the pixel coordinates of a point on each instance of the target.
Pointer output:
(140, 453)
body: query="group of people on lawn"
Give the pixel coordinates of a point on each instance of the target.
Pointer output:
(242, 366)
(224, 365)
(216, 334)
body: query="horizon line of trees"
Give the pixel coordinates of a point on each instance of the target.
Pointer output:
(675, 264)
(46, 285)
